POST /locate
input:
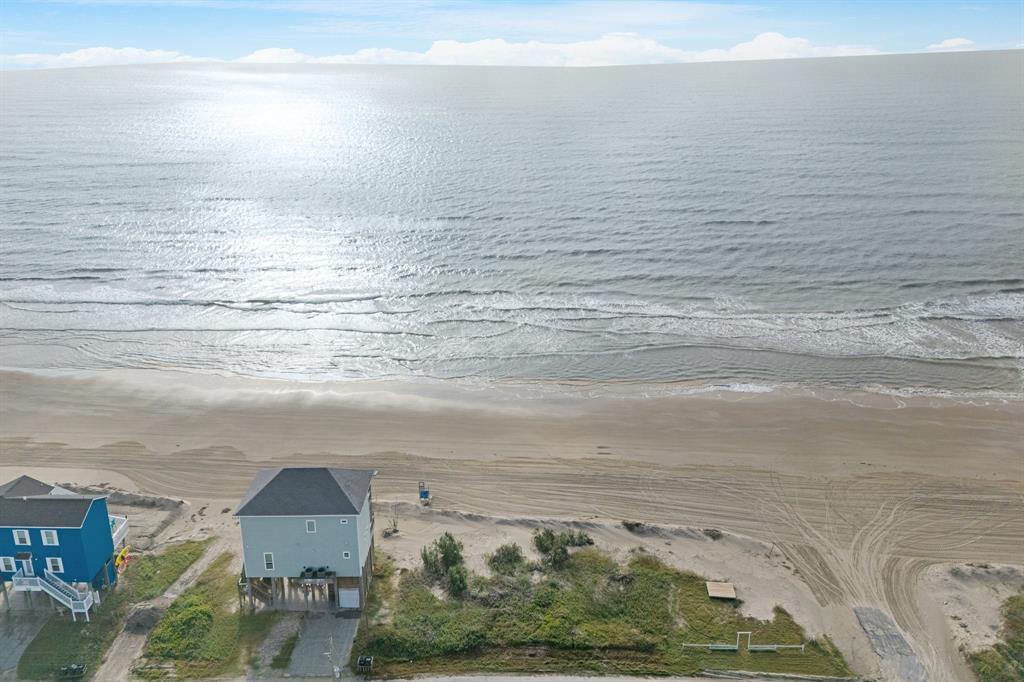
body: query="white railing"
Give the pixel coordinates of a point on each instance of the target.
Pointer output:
(25, 582)
(118, 528)
(714, 646)
(75, 601)
(66, 594)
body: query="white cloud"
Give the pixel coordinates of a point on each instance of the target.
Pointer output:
(92, 56)
(275, 55)
(608, 50)
(952, 45)
(777, 46)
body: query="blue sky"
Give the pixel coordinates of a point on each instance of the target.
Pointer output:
(478, 31)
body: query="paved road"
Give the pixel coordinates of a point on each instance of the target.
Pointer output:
(542, 678)
(564, 678)
(321, 633)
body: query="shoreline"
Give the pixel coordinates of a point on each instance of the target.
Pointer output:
(878, 396)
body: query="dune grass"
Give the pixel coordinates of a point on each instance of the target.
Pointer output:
(590, 615)
(63, 641)
(150, 575)
(1004, 662)
(201, 634)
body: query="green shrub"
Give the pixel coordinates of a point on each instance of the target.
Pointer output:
(458, 581)
(441, 556)
(182, 631)
(450, 550)
(558, 556)
(433, 567)
(544, 540)
(507, 559)
(578, 539)
(1004, 662)
(554, 547)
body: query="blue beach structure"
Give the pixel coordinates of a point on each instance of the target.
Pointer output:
(58, 542)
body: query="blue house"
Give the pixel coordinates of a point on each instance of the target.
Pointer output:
(58, 542)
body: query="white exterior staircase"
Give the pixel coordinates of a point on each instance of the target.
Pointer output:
(75, 601)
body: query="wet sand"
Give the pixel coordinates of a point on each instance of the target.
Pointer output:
(861, 493)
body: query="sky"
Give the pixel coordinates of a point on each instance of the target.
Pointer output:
(72, 33)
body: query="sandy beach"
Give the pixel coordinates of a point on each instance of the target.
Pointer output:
(830, 501)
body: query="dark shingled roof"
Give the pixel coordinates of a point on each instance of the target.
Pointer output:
(27, 503)
(50, 511)
(314, 491)
(24, 486)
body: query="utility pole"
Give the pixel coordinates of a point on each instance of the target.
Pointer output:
(335, 664)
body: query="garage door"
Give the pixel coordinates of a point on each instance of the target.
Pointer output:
(348, 598)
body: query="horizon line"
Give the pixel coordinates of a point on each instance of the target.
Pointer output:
(243, 63)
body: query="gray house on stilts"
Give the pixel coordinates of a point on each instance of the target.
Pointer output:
(307, 538)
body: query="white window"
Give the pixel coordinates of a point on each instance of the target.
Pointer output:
(310, 526)
(7, 564)
(344, 521)
(21, 537)
(50, 537)
(54, 564)
(268, 561)
(346, 555)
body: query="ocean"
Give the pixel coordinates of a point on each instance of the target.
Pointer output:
(846, 223)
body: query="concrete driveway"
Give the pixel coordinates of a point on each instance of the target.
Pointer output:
(322, 633)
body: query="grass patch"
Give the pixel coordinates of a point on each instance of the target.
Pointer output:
(150, 575)
(201, 634)
(284, 656)
(1004, 662)
(588, 614)
(382, 586)
(63, 641)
